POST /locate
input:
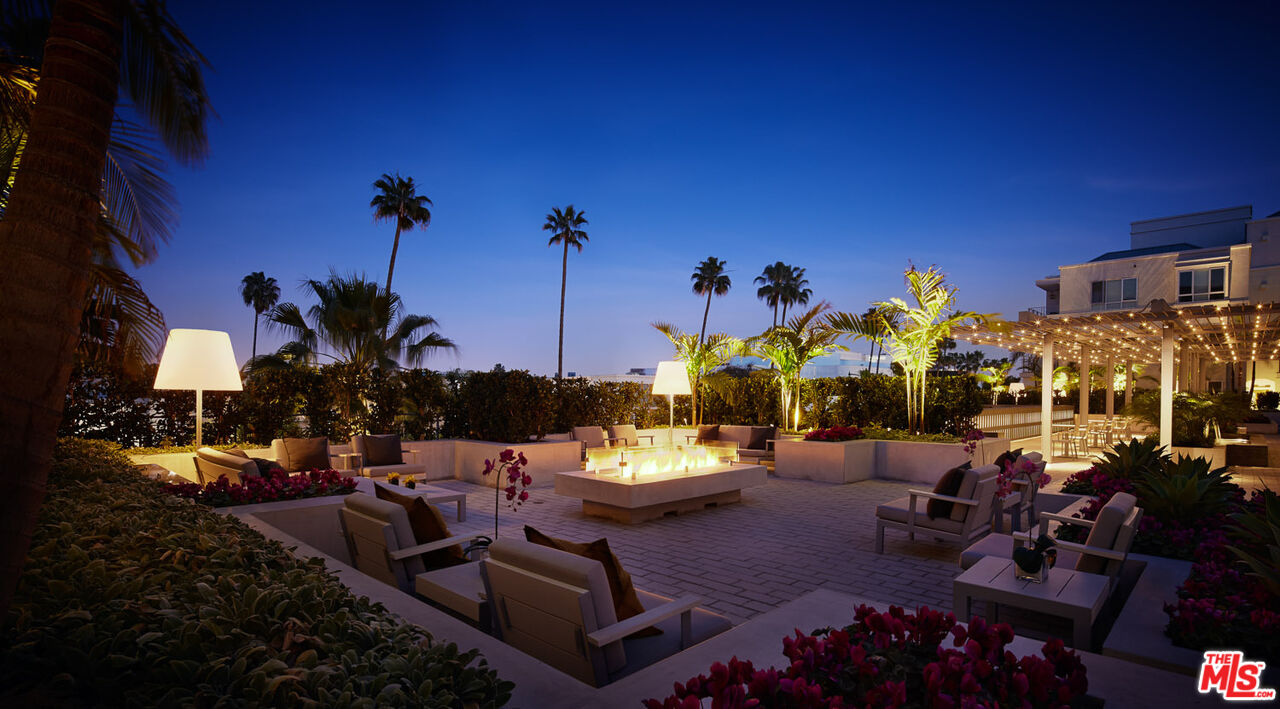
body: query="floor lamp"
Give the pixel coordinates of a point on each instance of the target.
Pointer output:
(199, 360)
(672, 379)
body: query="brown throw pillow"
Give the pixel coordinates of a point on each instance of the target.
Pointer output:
(948, 484)
(428, 526)
(707, 433)
(625, 601)
(760, 434)
(1006, 458)
(382, 450)
(306, 454)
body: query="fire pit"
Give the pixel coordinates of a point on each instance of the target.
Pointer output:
(636, 484)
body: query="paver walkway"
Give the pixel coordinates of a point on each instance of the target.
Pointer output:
(784, 539)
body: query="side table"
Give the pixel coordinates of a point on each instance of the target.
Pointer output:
(1067, 593)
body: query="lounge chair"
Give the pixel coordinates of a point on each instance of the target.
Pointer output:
(381, 544)
(383, 454)
(297, 455)
(557, 607)
(592, 437)
(969, 519)
(1021, 503)
(212, 463)
(625, 434)
(1103, 552)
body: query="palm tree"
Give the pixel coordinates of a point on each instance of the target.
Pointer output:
(700, 356)
(709, 279)
(913, 331)
(770, 282)
(791, 346)
(262, 293)
(793, 290)
(398, 199)
(52, 214)
(565, 228)
(347, 324)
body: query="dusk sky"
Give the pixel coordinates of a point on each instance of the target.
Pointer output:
(998, 142)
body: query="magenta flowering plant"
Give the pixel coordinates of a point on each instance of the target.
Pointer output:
(1020, 468)
(511, 463)
(274, 486)
(835, 434)
(895, 659)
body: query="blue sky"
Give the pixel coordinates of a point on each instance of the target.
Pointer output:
(997, 141)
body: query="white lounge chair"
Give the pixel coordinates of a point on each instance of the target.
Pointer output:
(970, 516)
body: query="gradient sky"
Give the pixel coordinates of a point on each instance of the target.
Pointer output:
(997, 141)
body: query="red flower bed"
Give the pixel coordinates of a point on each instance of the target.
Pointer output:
(274, 486)
(835, 433)
(894, 659)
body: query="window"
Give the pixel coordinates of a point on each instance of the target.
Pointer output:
(1116, 294)
(1196, 285)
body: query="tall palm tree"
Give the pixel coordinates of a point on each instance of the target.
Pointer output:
(398, 199)
(913, 331)
(709, 279)
(770, 290)
(700, 356)
(52, 215)
(793, 290)
(347, 323)
(565, 228)
(262, 293)
(789, 347)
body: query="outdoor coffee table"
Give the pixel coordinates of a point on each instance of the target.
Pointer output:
(1067, 593)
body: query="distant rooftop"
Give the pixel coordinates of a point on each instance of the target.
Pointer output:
(1148, 251)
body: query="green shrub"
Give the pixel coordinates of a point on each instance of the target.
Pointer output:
(130, 597)
(1193, 414)
(1269, 400)
(1185, 490)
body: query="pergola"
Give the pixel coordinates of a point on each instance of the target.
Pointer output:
(1183, 339)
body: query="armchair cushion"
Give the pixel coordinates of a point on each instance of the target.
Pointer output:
(623, 592)
(626, 433)
(591, 436)
(968, 486)
(428, 525)
(759, 436)
(948, 484)
(382, 450)
(1105, 528)
(898, 511)
(305, 454)
(265, 465)
(708, 433)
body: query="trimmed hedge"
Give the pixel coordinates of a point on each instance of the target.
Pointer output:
(500, 405)
(131, 597)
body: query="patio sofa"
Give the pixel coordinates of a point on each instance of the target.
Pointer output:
(752, 440)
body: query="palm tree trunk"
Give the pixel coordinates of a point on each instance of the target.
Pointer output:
(705, 312)
(255, 335)
(564, 272)
(46, 236)
(391, 267)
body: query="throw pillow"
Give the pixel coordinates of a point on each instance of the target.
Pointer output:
(428, 526)
(948, 484)
(306, 454)
(265, 466)
(705, 434)
(760, 434)
(382, 450)
(1007, 458)
(625, 601)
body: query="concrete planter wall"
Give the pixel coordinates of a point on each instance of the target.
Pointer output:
(1252, 428)
(851, 461)
(545, 459)
(1217, 455)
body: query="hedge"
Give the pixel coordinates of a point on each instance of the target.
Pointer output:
(132, 597)
(499, 405)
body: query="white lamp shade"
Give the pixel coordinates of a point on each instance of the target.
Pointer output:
(672, 379)
(198, 359)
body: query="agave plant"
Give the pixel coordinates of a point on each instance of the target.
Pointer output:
(1258, 537)
(1186, 490)
(1133, 460)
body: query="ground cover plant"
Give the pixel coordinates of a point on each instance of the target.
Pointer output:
(273, 486)
(1232, 597)
(895, 659)
(134, 597)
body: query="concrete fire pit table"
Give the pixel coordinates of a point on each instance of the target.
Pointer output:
(618, 497)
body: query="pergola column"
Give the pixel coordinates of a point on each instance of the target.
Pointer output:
(1166, 386)
(1046, 399)
(1084, 385)
(1110, 376)
(1128, 382)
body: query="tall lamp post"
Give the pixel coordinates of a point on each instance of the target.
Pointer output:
(199, 360)
(672, 380)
